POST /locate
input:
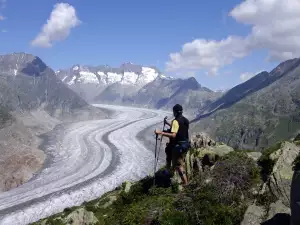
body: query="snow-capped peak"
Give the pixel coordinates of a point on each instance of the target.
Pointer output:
(127, 74)
(162, 76)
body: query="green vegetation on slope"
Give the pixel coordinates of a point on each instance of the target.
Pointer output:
(215, 197)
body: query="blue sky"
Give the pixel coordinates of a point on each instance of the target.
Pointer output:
(146, 32)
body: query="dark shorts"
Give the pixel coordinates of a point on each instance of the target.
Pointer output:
(178, 154)
(168, 151)
(178, 158)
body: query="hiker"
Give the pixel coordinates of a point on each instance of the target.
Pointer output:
(180, 136)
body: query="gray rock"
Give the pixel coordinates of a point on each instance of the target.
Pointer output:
(222, 149)
(254, 215)
(277, 207)
(127, 186)
(81, 217)
(282, 174)
(254, 155)
(201, 140)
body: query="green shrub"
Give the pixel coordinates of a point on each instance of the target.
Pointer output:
(203, 206)
(173, 217)
(51, 221)
(235, 175)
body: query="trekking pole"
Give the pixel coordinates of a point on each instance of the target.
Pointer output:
(157, 154)
(156, 139)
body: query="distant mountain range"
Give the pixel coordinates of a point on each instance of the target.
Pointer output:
(136, 85)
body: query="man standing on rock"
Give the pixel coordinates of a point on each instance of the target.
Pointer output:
(180, 141)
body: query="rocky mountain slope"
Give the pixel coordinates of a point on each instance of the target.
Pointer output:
(137, 85)
(32, 101)
(257, 113)
(165, 93)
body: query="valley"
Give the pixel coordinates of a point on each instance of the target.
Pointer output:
(85, 160)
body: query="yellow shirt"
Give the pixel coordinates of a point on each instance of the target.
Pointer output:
(175, 126)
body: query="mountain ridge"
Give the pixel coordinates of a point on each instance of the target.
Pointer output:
(257, 113)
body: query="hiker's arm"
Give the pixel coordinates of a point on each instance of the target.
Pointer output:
(165, 134)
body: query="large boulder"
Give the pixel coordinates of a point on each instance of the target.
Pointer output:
(199, 140)
(197, 159)
(254, 155)
(277, 207)
(254, 215)
(282, 174)
(81, 217)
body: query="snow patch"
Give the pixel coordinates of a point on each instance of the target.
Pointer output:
(100, 73)
(72, 81)
(148, 75)
(58, 71)
(113, 77)
(162, 76)
(88, 78)
(15, 72)
(103, 76)
(64, 78)
(129, 78)
(76, 68)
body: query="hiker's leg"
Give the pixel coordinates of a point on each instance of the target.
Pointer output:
(168, 157)
(181, 169)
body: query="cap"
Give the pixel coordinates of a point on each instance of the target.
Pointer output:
(177, 108)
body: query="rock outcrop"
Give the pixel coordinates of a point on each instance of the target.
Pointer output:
(277, 207)
(199, 140)
(81, 217)
(282, 174)
(205, 151)
(254, 215)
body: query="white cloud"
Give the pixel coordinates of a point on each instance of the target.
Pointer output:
(246, 76)
(58, 27)
(208, 54)
(4, 31)
(2, 18)
(275, 26)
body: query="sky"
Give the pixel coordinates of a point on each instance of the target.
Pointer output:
(220, 43)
